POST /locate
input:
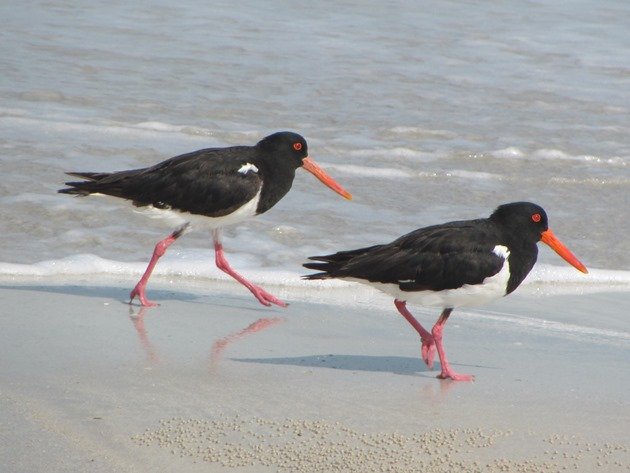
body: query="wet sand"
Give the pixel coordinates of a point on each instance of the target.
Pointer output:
(212, 381)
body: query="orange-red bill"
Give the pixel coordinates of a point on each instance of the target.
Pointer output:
(323, 176)
(550, 239)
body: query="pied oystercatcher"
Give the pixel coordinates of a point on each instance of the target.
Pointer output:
(455, 264)
(214, 187)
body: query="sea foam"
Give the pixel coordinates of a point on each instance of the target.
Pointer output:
(199, 264)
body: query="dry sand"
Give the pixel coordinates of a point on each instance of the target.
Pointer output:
(218, 383)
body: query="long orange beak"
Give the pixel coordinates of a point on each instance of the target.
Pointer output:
(550, 239)
(323, 176)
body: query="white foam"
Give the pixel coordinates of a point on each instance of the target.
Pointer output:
(158, 126)
(510, 152)
(196, 269)
(398, 152)
(561, 155)
(392, 173)
(62, 125)
(548, 280)
(199, 263)
(549, 273)
(369, 171)
(474, 175)
(421, 132)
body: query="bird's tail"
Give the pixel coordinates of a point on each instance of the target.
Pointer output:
(87, 187)
(110, 183)
(90, 176)
(331, 266)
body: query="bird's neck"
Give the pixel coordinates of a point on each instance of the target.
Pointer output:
(277, 182)
(523, 255)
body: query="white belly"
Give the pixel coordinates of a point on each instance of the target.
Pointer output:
(175, 218)
(492, 288)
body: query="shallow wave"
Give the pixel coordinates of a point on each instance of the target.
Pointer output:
(11, 117)
(392, 173)
(419, 132)
(461, 173)
(59, 124)
(545, 273)
(369, 171)
(200, 266)
(556, 154)
(148, 130)
(196, 272)
(561, 155)
(397, 152)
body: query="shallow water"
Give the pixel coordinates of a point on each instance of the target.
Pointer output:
(425, 114)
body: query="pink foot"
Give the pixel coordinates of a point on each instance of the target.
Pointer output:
(138, 292)
(265, 298)
(158, 252)
(448, 374)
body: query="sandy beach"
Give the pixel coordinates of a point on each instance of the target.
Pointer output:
(212, 381)
(425, 115)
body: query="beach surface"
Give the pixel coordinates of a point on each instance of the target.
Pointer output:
(426, 115)
(212, 381)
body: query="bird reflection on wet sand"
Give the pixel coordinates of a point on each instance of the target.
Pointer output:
(145, 343)
(219, 346)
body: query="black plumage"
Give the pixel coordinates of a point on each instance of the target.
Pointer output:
(226, 185)
(210, 182)
(458, 263)
(445, 256)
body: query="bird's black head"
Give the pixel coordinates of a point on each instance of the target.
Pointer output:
(285, 145)
(527, 223)
(526, 219)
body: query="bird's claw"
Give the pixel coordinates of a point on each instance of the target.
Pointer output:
(265, 298)
(139, 293)
(448, 374)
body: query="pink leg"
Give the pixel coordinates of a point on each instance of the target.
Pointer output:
(428, 344)
(437, 336)
(159, 250)
(263, 296)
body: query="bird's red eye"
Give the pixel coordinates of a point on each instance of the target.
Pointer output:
(297, 146)
(536, 217)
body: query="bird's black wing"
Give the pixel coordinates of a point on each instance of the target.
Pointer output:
(212, 182)
(432, 258)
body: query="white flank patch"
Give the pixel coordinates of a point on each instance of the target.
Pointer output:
(245, 168)
(468, 295)
(501, 251)
(175, 218)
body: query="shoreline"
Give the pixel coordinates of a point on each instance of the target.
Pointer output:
(89, 380)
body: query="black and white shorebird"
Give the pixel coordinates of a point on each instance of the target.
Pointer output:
(211, 188)
(456, 264)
